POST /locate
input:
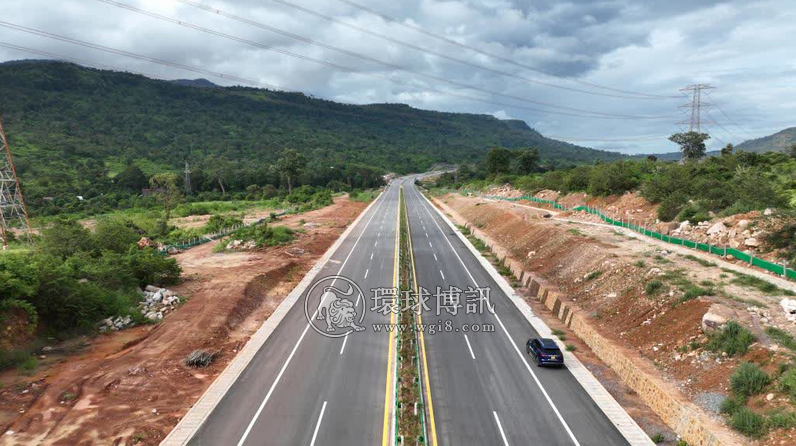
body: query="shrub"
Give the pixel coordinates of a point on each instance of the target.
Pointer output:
(733, 339)
(748, 380)
(653, 288)
(571, 348)
(65, 238)
(265, 234)
(199, 358)
(218, 222)
(658, 438)
(150, 267)
(731, 404)
(748, 422)
(593, 275)
(114, 235)
(18, 276)
(670, 207)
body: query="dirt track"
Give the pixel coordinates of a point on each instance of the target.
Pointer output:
(131, 387)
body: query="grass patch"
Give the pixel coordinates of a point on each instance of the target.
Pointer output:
(662, 260)
(658, 438)
(28, 365)
(782, 337)
(743, 300)
(787, 383)
(593, 275)
(749, 423)
(702, 262)
(640, 263)
(575, 232)
(748, 380)
(732, 404)
(654, 287)
(753, 282)
(780, 419)
(571, 348)
(692, 292)
(733, 339)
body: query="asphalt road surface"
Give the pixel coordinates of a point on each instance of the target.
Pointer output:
(305, 388)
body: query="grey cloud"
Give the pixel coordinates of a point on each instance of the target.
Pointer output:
(650, 46)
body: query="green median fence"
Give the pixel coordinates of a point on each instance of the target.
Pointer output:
(705, 247)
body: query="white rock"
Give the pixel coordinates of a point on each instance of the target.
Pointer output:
(768, 211)
(152, 289)
(769, 397)
(789, 305)
(751, 241)
(718, 228)
(743, 224)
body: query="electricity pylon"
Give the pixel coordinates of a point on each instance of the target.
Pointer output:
(697, 106)
(13, 213)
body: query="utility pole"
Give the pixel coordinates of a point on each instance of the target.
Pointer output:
(697, 105)
(187, 179)
(12, 205)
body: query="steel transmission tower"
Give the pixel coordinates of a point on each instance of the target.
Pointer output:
(13, 213)
(697, 105)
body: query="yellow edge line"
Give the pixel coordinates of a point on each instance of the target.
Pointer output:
(432, 424)
(386, 428)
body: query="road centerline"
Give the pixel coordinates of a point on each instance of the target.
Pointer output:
(500, 428)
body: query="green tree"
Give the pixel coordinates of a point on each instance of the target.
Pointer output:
(165, 186)
(528, 161)
(132, 178)
(221, 169)
(114, 235)
(18, 277)
(498, 160)
(791, 151)
(692, 144)
(291, 165)
(65, 238)
(727, 150)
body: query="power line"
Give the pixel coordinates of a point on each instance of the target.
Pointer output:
(715, 121)
(484, 53)
(627, 139)
(731, 121)
(442, 55)
(354, 70)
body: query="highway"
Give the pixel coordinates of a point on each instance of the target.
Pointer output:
(485, 389)
(305, 388)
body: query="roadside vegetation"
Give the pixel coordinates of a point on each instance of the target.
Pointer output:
(720, 185)
(72, 279)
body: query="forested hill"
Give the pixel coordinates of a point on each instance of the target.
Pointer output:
(60, 114)
(778, 142)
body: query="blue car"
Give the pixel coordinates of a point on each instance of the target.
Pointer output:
(544, 351)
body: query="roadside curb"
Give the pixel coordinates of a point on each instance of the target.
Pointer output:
(184, 431)
(607, 404)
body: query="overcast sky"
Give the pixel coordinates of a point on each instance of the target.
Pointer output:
(744, 48)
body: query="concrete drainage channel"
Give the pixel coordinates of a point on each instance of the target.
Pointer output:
(410, 408)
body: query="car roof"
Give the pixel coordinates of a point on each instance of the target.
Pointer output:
(548, 343)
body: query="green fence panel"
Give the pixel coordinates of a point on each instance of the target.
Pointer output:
(716, 250)
(703, 247)
(740, 255)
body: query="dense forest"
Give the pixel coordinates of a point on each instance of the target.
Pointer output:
(74, 129)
